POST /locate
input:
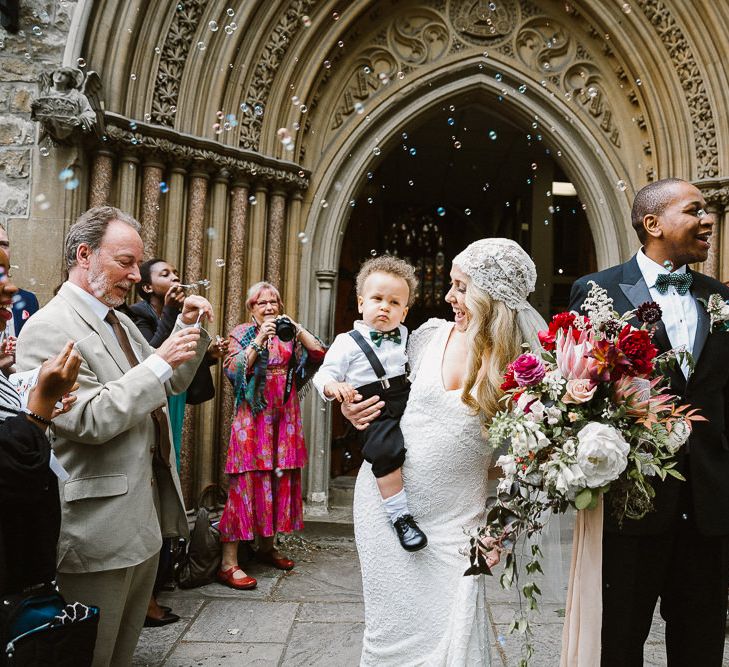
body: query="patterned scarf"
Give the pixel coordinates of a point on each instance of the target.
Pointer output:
(300, 371)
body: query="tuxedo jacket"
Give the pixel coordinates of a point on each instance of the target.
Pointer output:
(117, 503)
(24, 306)
(704, 461)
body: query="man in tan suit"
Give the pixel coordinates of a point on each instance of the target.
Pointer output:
(123, 494)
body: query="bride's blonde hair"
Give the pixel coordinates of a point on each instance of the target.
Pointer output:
(494, 340)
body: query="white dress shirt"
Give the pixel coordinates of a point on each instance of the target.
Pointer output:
(156, 364)
(346, 362)
(679, 312)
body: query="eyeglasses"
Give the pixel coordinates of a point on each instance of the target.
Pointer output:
(263, 304)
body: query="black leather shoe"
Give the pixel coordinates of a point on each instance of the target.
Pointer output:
(169, 617)
(410, 536)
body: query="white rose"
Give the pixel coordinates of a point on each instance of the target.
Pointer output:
(602, 454)
(678, 436)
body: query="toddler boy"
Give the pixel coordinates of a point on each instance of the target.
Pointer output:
(371, 360)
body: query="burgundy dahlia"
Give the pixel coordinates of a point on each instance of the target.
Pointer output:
(649, 313)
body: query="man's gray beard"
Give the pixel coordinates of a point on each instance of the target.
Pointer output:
(101, 288)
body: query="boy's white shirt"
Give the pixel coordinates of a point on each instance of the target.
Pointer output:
(346, 362)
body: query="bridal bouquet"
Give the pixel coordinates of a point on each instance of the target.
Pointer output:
(585, 412)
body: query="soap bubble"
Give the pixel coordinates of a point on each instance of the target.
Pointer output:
(456, 144)
(359, 108)
(163, 187)
(37, 30)
(213, 25)
(252, 200)
(492, 135)
(376, 150)
(467, 211)
(621, 185)
(71, 184)
(440, 211)
(451, 121)
(230, 11)
(44, 151)
(80, 62)
(65, 174)
(522, 88)
(220, 262)
(306, 21)
(413, 151)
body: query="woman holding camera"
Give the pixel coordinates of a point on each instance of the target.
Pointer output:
(268, 359)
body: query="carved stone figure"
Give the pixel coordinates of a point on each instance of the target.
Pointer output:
(69, 105)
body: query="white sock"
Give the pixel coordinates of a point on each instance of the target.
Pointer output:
(396, 506)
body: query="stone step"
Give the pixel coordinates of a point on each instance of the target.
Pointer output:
(336, 523)
(341, 491)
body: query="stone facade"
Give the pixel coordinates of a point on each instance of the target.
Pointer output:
(197, 92)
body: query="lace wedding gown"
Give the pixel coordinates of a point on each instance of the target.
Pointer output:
(419, 608)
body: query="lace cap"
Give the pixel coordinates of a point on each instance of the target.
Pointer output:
(501, 268)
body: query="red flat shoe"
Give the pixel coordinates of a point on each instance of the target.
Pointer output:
(279, 562)
(226, 578)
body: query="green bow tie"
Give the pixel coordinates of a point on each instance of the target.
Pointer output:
(681, 281)
(378, 336)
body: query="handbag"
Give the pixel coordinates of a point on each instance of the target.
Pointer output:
(39, 629)
(204, 554)
(201, 388)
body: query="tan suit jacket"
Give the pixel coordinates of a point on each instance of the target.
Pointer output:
(106, 441)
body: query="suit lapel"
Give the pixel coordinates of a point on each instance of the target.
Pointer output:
(636, 291)
(700, 290)
(97, 325)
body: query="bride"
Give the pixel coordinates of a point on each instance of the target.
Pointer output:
(419, 608)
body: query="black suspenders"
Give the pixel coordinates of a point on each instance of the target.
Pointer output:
(376, 364)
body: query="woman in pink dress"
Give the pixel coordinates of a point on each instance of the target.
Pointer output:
(267, 448)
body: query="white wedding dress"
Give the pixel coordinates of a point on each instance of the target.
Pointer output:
(419, 608)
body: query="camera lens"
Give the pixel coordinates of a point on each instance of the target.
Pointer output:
(285, 329)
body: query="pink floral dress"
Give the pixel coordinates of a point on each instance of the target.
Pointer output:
(266, 451)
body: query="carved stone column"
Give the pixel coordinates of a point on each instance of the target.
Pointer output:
(192, 271)
(257, 235)
(128, 169)
(712, 265)
(317, 472)
(195, 228)
(171, 239)
(293, 252)
(152, 173)
(235, 291)
(102, 173)
(207, 451)
(275, 241)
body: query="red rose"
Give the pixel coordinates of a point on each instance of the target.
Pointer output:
(509, 381)
(560, 322)
(637, 346)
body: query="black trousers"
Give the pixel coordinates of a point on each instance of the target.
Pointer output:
(382, 442)
(687, 571)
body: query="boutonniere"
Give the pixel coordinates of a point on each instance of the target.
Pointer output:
(718, 310)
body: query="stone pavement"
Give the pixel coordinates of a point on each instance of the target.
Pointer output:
(314, 615)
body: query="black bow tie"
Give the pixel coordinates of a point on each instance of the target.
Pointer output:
(378, 336)
(681, 281)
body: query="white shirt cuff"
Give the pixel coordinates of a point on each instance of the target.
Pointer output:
(159, 367)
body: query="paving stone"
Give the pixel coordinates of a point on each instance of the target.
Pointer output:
(332, 576)
(331, 612)
(259, 622)
(155, 643)
(324, 644)
(184, 607)
(225, 655)
(216, 590)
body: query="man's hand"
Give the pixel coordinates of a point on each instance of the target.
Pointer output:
(360, 413)
(7, 354)
(195, 308)
(180, 347)
(342, 391)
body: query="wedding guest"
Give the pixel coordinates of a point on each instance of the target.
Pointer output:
(680, 552)
(267, 448)
(31, 519)
(123, 494)
(419, 608)
(25, 303)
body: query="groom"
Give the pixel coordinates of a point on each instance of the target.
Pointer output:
(680, 552)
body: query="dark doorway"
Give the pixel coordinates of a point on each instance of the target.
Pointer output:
(460, 174)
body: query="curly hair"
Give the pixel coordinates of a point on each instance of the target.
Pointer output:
(492, 345)
(393, 266)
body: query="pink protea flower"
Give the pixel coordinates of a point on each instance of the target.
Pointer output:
(572, 355)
